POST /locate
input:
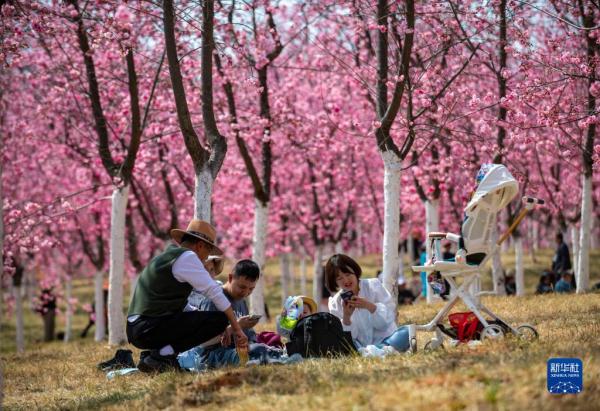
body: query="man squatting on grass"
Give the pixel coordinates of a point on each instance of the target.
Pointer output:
(156, 320)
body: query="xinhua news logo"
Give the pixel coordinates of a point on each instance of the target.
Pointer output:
(565, 376)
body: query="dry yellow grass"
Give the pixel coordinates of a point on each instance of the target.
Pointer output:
(504, 375)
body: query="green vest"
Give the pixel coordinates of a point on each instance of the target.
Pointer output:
(158, 292)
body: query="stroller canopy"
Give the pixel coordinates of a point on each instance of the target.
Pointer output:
(494, 179)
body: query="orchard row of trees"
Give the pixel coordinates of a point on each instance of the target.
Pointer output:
(346, 124)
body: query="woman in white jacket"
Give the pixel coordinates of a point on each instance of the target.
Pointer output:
(364, 306)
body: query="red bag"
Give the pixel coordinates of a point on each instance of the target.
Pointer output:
(270, 338)
(467, 325)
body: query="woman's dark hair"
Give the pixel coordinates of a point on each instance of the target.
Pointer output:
(339, 263)
(248, 269)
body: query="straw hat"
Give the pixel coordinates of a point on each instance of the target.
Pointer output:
(201, 230)
(310, 302)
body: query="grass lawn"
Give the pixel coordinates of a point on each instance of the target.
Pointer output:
(502, 375)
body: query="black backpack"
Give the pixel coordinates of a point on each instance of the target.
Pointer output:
(320, 335)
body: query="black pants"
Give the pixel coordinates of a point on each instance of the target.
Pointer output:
(181, 331)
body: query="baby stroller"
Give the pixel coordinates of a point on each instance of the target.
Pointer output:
(495, 190)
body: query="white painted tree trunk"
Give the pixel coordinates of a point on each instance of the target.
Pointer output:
(259, 243)
(202, 195)
(303, 275)
(519, 271)
(583, 267)
(497, 269)
(69, 311)
(132, 285)
(391, 231)
(285, 276)
(18, 292)
(575, 249)
(339, 249)
(535, 228)
(100, 326)
(318, 275)
(432, 223)
(29, 287)
(116, 319)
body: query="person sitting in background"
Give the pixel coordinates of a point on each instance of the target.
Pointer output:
(564, 285)
(448, 255)
(545, 285)
(405, 295)
(285, 327)
(561, 261)
(415, 285)
(364, 306)
(509, 282)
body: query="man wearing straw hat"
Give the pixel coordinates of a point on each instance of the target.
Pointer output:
(156, 320)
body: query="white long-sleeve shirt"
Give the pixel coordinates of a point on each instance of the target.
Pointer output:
(367, 328)
(189, 269)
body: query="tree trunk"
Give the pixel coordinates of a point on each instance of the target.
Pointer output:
(69, 311)
(99, 307)
(257, 299)
(575, 249)
(583, 266)
(519, 272)
(432, 218)
(535, 226)
(303, 274)
(285, 276)
(391, 229)
(497, 269)
(339, 249)
(132, 285)
(18, 295)
(1, 294)
(1, 243)
(318, 276)
(202, 195)
(49, 319)
(116, 319)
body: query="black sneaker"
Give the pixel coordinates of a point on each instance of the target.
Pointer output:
(122, 359)
(156, 363)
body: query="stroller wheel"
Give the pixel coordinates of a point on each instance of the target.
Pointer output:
(433, 344)
(492, 332)
(527, 332)
(413, 345)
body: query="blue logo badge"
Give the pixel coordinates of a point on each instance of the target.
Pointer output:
(565, 376)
